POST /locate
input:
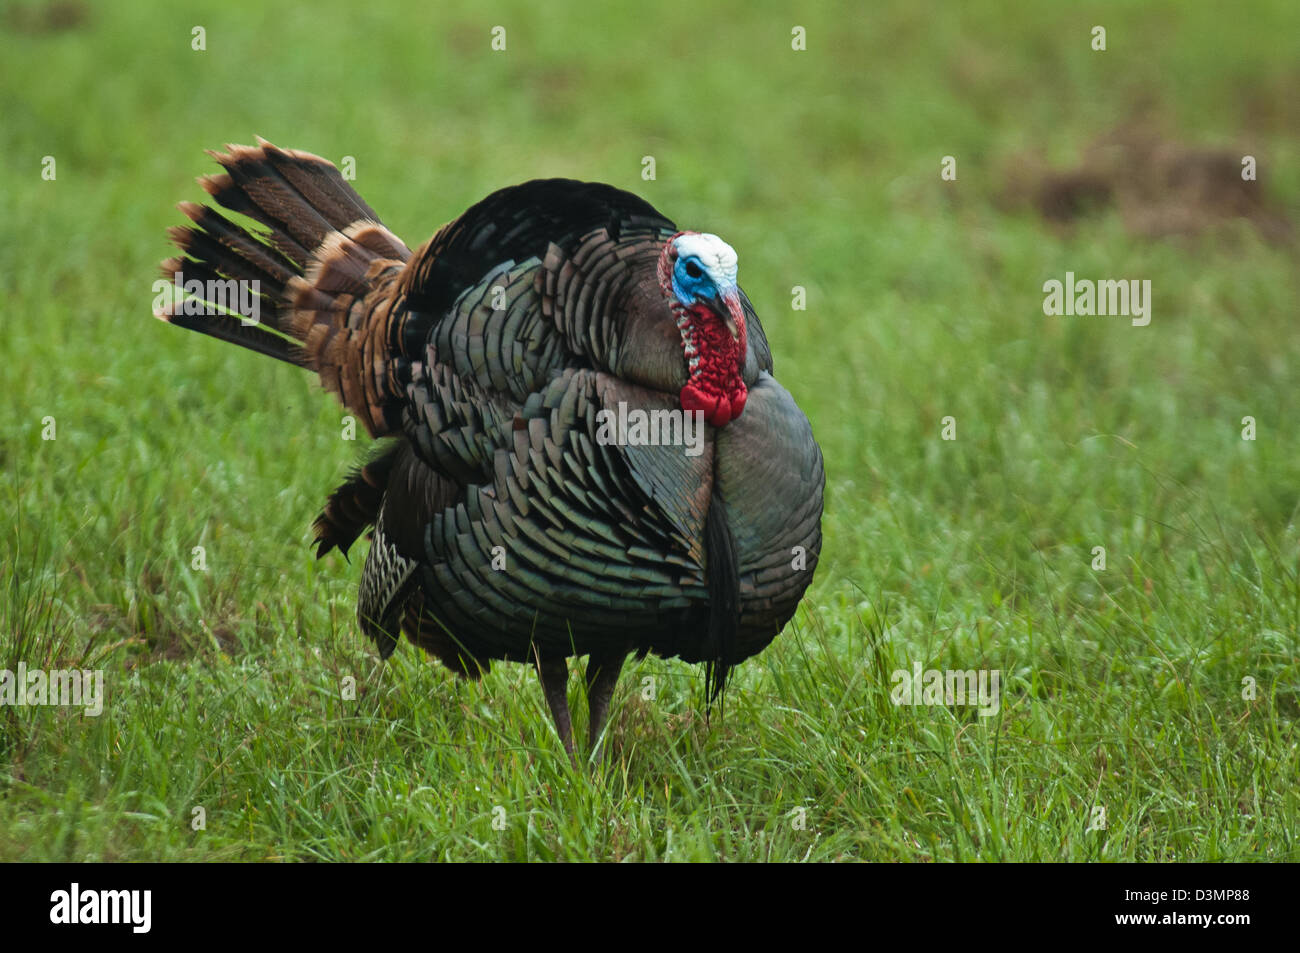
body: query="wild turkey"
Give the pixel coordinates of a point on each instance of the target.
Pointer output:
(512, 519)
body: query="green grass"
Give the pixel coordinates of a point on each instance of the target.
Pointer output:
(1122, 688)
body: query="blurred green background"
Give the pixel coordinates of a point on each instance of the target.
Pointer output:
(1123, 687)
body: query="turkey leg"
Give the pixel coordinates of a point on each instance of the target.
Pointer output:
(554, 674)
(602, 674)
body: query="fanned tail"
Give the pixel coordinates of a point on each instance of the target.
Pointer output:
(312, 288)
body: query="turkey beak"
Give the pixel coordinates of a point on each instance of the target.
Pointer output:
(727, 307)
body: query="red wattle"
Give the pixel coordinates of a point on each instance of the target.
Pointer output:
(718, 409)
(721, 413)
(715, 386)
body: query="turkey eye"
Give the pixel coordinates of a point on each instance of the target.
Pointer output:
(693, 269)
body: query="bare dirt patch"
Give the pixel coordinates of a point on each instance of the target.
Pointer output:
(1159, 186)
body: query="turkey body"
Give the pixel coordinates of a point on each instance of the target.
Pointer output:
(509, 519)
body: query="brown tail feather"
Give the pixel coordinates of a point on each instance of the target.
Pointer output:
(231, 195)
(325, 266)
(275, 268)
(223, 327)
(318, 181)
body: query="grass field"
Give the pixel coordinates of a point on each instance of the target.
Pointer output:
(1148, 710)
